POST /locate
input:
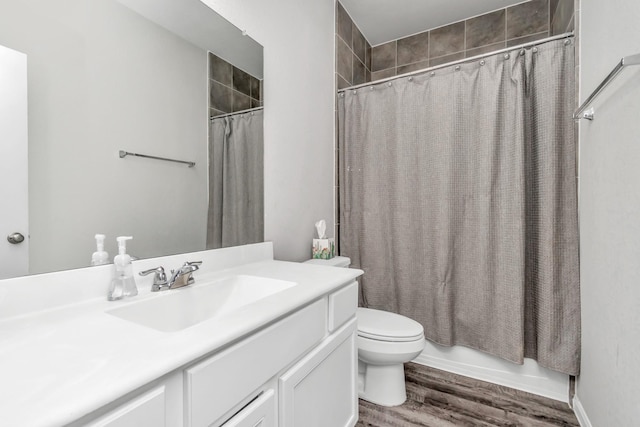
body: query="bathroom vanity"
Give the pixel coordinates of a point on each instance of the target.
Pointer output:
(254, 342)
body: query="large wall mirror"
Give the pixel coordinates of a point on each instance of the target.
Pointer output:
(105, 76)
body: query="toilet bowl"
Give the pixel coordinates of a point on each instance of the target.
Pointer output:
(385, 342)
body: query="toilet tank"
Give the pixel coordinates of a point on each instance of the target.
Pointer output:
(338, 261)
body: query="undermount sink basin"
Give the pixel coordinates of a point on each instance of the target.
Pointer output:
(178, 309)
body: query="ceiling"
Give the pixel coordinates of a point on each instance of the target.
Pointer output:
(381, 21)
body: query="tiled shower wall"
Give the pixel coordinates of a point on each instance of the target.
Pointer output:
(353, 52)
(230, 88)
(512, 26)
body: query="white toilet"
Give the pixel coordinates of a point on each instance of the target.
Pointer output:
(385, 342)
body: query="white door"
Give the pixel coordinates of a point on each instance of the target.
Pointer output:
(14, 215)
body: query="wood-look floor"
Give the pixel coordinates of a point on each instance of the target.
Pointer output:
(441, 399)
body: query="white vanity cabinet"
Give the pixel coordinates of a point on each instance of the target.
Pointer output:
(158, 404)
(216, 385)
(320, 390)
(300, 371)
(146, 409)
(261, 412)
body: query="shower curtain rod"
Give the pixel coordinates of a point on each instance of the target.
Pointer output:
(251, 110)
(461, 61)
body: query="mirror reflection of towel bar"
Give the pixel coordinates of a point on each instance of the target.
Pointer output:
(124, 154)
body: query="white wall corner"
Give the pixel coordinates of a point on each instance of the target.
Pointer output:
(581, 415)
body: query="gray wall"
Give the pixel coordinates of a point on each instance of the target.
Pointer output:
(608, 386)
(101, 79)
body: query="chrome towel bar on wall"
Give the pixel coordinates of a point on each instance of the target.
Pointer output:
(124, 154)
(582, 112)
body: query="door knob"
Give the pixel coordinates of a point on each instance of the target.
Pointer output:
(15, 238)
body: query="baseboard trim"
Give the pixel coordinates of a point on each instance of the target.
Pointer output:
(525, 382)
(581, 415)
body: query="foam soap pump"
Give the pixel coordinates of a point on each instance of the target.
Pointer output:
(100, 257)
(123, 283)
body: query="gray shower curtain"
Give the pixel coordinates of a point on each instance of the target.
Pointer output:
(236, 201)
(458, 200)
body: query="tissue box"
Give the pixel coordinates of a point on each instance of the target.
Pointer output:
(323, 248)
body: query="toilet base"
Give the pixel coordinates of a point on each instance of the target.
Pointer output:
(382, 384)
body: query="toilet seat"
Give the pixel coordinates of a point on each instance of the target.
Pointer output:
(385, 326)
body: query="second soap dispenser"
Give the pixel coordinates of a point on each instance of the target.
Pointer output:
(123, 283)
(100, 256)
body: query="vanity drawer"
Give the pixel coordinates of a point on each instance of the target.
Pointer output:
(259, 413)
(217, 384)
(342, 305)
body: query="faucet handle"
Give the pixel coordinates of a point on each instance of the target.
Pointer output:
(159, 280)
(190, 266)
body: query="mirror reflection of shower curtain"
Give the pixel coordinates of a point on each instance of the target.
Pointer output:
(458, 200)
(236, 176)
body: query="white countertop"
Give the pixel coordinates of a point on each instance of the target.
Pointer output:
(58, 365)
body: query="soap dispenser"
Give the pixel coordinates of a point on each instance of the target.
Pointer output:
(100, 256)
(123, 283)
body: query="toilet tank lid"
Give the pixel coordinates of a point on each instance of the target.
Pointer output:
(378, 324)
(338, 261)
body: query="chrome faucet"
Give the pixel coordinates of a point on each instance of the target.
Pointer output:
(179, 278)
(183, 276)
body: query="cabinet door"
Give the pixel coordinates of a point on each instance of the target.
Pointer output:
(145, 410)
(259, 413)
(320, 390)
